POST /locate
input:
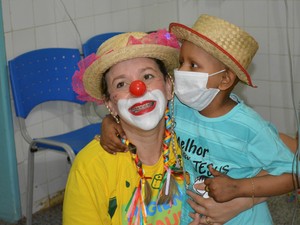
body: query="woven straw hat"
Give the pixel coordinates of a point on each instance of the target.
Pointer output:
(223, 40)
(158, 45)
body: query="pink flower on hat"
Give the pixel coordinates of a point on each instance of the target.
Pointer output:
(77, 83)
(161, 37)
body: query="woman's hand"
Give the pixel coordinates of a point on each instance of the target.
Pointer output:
(110, 136)
(214, 212)
(201, 220)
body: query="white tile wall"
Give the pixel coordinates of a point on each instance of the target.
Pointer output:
(280, 94)
(21, 14)
(151, 16)
(60, 13)
(46, 36)
(136, 19)
(117, 5)
(258, 96)
(256, 13)
(56, 166)
(67, 35)
(23, 40)
(285, 119)
(84, 8)
(164, 18)
(6, 15)
(232, 11)
(210, 7)
(31, 24)
(21, 153)
(188, 12)
(134, 3)
(8, 45)
(259, 70)
(277, 16)
(42, 14)
(279, 73)
(278, 40)
(296, 13)
(103, 23)
(103, 6)
(120, 20)
(295, 47)
(86, 28)
(296, 63)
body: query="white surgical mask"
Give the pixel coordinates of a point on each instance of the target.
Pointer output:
(191, 90)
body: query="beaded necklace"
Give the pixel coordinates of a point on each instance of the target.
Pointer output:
(141, 196)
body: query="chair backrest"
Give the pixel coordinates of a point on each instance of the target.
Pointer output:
(92, 44)
(43, 75)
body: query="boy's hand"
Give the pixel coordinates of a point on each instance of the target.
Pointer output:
(110, 136)
(221, 187)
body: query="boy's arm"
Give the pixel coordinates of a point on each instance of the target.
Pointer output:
(224, 188)
(110, 136)
(290, 142)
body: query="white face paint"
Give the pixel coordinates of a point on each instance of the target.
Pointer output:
(144, 112)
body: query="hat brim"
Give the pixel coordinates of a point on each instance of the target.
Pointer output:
(184, 33)
(93, 75)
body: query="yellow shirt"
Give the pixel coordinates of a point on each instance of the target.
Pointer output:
(101, 184)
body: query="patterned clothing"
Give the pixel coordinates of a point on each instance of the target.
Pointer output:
(239, 144)
(100, 186)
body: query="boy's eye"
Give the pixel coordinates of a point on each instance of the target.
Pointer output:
(193, 65)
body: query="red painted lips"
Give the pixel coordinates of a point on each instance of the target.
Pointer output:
(142, 107)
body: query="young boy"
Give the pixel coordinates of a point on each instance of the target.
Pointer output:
(215, 127)
(220, 136)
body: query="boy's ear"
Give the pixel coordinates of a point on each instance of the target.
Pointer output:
(229, 79)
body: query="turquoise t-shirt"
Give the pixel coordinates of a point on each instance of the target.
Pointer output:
(239, 144)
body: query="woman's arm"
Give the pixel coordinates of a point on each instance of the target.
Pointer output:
(218, 213)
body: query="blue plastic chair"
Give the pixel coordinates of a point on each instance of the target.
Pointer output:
(92, 44)
(40, 76)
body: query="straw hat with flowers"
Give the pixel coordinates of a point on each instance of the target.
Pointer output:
(158, 45)
(223, 40)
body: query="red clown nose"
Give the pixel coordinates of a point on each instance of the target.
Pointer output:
(137, 88)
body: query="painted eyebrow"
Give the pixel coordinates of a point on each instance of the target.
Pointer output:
(121, 76)
(140, 71)
(147, 68)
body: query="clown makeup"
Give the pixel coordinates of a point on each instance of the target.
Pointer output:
(144, 112)
(138, 92)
